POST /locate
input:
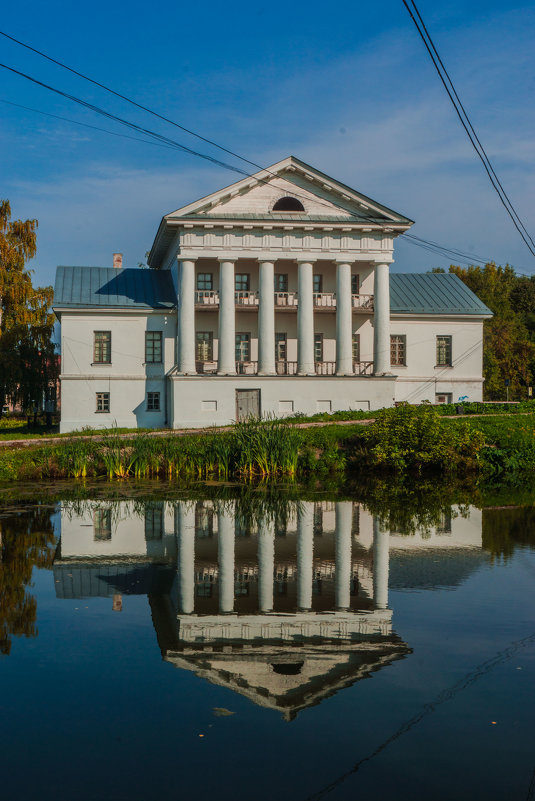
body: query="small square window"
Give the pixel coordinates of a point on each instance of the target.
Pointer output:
(153, 347)
(397, 349)
(103, 401)
(444, 351)
(241, 282)
(153, 401)
(102, 347)
(205, 282)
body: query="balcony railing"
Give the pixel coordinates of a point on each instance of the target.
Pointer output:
(362, 301)
(246, 298)
(285, 299)
(247, 368)
(324, 300)
(325, 368)
(286, 368)
(206, 367)
(363, 368)
(206, 297)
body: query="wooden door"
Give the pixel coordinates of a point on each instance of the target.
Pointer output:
(247, 403)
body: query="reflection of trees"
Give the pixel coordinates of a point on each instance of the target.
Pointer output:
(506, 528)
(26, 541)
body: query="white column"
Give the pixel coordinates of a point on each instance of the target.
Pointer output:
(305, 553)
(342, 546)
(225, 558)
(380, 565)
(305, 320)
(344, 327)
(266, 318)
(381, 320)
(227, 324)
(266, 563)
(186, 317)
(186, 557)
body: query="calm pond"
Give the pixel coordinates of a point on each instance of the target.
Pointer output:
(290, 649)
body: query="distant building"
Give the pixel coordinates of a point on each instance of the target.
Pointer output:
(271, 296)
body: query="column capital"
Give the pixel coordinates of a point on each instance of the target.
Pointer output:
(181, 259)
(377, 262)
(230, 259)
(304, 260)
(343, 260)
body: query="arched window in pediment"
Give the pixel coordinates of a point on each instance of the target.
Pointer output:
(288, 204)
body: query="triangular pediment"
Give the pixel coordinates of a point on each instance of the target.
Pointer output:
(322, 198)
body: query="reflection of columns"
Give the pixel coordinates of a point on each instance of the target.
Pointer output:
(266, 561)
(342, 546)
(305, 320)
(227, 323)
(344, 328)
(186, 317)
(305, 550)
(186, 558)
(225, 559)
(380, 565)
(266, 318)
(381, 320)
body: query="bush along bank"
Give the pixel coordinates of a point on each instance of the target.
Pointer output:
(407, 439)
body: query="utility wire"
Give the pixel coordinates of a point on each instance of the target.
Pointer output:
(432, 247)
(459, 109)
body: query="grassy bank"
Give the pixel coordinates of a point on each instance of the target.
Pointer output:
(406, 440)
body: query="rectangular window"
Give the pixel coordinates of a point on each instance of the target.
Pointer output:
(204, 346)
(103, 401)
(356, 347)
(153, 401)
(280, 347)
(443, 351)
(153, 521)
(281, 282)
(243, 347)
(397, 349)
(317, 283)
(205, 281)
(355, 284)
(241, 282)
(102, 524)
(102, 347)
(318, 347)
(153, 347)
(443, 397)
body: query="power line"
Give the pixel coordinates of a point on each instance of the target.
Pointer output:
(467, 125)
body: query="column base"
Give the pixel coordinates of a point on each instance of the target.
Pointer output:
(305, 373)
(226, 372)
(344, 373)
(266, 372)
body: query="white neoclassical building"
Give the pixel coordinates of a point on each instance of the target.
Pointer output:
(271, 296)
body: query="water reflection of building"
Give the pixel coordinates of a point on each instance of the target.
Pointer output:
(285, 608)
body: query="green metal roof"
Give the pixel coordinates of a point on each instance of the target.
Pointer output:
(433, 293)
(94, 287)
(90, 287)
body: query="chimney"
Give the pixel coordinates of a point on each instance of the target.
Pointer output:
(118, 260)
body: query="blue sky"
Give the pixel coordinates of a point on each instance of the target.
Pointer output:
(349, 89)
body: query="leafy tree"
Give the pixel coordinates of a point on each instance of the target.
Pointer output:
(27, 361)
(509, 337)
(26, 541)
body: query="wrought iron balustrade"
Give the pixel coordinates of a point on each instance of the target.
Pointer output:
(324, 300)
(246, 298)
(286, 299)
(362, 302)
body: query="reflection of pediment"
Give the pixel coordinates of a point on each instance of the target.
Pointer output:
(281, 662)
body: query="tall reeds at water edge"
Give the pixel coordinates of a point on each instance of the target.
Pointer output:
(253, 449)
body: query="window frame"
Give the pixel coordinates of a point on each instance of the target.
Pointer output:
(158, 340)
(400, 346)
(355, 284)
(355, 348)
(151, 397)
(281, 278)
(281, 338)
(318, 343)
(449, 350)
(317, 278)
(246, 339)
(154, 522)
(204, 278)
(245, 278)
(103, 399)
(209, 342)
(98, 347)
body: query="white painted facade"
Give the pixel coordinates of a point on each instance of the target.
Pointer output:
(277, 312)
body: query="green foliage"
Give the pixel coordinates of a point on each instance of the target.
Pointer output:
(414, 437)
